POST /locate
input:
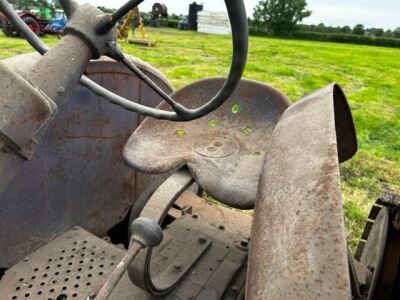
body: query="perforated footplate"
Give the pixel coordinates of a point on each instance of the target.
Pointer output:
(73, 266)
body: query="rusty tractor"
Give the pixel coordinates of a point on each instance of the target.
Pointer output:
(35, 24)
(104, 168)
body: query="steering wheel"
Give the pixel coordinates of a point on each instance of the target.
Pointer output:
(97, 30)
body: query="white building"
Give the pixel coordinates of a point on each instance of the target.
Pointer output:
(213, 22)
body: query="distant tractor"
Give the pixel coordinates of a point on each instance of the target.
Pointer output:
(38, 25)
(57, 24)
(30, 19)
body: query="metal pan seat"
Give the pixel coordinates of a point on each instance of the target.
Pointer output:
(224, 150)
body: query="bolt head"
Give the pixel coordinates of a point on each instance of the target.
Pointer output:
(177, 267)
(202, 239)
(61, 91)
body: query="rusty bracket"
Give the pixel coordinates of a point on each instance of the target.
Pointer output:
(182, 263)
(24, 110)
(156, 209)
(223, 276)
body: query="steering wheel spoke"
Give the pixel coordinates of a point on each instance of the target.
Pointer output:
(101, 40)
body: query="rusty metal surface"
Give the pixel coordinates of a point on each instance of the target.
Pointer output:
(73, 266)
(217, 215)
(373, 251)
(24, 111)
(226, 228)
(58, 72)
(379, 248)
(77, 175)
(24, 108)
(387, 285)
(223, 150)
(10, 162)
(298, 246)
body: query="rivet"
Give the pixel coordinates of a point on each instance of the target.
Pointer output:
(61, 91)
(234, 288)
(202, 239)
(26, 259)
(177, 267)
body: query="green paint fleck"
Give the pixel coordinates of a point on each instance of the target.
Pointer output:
(247, 131)
(256, 154)
(180, 132)
(235, 108)
(212, 123)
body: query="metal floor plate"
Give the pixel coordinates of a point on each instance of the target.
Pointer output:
(76, 264)
(73, 266)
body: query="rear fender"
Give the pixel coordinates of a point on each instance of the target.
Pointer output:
(298, 244)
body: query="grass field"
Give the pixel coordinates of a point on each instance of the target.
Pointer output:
(370, 77)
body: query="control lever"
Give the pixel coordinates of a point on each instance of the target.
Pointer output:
(145, 233)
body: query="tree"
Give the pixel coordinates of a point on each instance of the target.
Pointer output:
(378, 32)
(321, 27)
(280, 16)
(359, 29)
(346, 29)
(396, 33)
(375, 31)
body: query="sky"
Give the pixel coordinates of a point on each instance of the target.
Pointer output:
(371, 13)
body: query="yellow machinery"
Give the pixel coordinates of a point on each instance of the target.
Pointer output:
(132, 22)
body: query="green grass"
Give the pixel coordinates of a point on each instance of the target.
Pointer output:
(370, 77)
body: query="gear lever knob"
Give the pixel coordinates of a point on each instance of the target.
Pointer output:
(146, 232)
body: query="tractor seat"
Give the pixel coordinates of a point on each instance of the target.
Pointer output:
(223, 150)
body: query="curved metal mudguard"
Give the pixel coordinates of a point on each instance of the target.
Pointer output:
(77, 176)
(298, 246)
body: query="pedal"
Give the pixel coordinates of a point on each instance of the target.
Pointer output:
(73, 266)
